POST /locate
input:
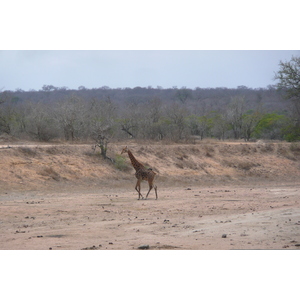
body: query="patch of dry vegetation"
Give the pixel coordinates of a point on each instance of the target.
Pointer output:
(38, 166)
(49, 172)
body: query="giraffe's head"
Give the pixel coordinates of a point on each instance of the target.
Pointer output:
(125, 150)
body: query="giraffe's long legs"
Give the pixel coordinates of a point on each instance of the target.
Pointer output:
(138, 189)
(151, 186)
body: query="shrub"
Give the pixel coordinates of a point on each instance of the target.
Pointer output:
(27, 151)
(49, 172)
(267, 147)
(295, 147)
(209, 151)
(292, 134)
(120, 163)
(245, 165)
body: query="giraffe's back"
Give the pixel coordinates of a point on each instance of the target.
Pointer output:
(145, 174)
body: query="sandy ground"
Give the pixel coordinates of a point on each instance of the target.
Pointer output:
(212, 195)
(261, 216)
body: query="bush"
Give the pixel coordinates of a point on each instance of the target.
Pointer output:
(245, 165)
(271, 126)
(292, 134)
(295, 147)
(49, 172)
(120, 163)
(27, 151)
(267, 148)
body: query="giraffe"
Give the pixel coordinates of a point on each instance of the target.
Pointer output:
(142, 173)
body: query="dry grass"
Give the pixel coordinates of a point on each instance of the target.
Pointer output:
(36, 166)
(26, 151)
(295, 147)
(49, 172)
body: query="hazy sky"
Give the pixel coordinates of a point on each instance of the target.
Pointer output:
(219, 68)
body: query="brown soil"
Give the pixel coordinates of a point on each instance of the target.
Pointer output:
(212, 195)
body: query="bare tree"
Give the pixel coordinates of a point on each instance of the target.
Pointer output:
(6, 113)
(131, 117)
(235, 113)
(289, 81)
(102, 116)
(71, 114)
(199, 125)
(101, 139)
(220, 126)
(250, 122)
(177, 114)
(289, 77)
(39, 122)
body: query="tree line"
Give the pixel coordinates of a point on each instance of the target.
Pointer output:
(175, 114)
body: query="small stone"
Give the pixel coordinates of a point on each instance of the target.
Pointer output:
(144, 247)
(224, 236)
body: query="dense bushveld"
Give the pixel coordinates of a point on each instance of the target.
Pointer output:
(175, 114)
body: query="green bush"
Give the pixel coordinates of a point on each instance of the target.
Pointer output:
(292, 134)
(120, 163)
(271, 126)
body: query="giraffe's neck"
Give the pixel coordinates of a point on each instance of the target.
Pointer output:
(137, 165)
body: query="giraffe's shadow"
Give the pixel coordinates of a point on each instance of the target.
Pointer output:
(146, 199)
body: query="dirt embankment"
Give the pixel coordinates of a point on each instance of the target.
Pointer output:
(212, 195)
(30, 167)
